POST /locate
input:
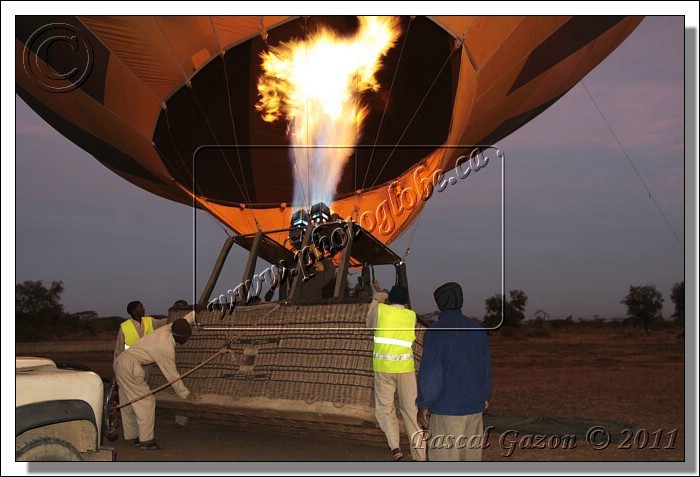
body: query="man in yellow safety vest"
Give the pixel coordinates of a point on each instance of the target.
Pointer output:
(135, 328)
(394, 368)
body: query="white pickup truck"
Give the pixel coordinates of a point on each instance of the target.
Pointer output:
(59, 412)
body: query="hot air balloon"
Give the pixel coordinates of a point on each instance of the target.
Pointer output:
(202, 110)
(168, 103)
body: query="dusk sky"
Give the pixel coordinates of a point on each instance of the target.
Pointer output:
(580, 227)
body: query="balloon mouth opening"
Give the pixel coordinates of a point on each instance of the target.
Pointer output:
(242, 159)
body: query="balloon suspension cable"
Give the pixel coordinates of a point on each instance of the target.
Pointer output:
(408, 125)
(386, 103)
(235, 135)
(218, 144)
(307, 198)
(244, 189)
(410, 240)
(172, 53)
(172, 142)
(216, 36)
(651, 196)
(216, 221)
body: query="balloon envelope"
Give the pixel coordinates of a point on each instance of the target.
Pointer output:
(168, 103)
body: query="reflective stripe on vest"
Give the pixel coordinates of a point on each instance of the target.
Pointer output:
(379, 339)
(394, 357)
(393, 339)
(131, 336)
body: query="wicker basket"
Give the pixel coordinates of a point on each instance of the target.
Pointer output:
(305, 370)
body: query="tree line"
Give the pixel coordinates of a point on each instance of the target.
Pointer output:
(39, 313)
(644, 304)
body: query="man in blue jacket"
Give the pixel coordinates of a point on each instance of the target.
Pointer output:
(454, 381)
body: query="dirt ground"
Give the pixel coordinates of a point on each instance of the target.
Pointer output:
(598, 375)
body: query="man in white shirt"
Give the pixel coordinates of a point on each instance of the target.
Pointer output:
(158, 347)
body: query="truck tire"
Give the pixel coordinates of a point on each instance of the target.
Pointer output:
(48, 449)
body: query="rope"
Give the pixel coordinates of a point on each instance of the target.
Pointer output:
(393, 80)
(177, 151)
(410, 240)
(651, 196)
(233, 127)
(170, 50)
(243, 191)
(223, 350)
(299, 177)
(307, 198)
(211, 129)
(218, 222)
(425, 97)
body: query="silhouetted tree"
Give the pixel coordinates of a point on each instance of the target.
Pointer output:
(678, 299)
(37, 309)
(39, 313)
(33, 298)
(86, 315)
(512, 311)
(542, 315)
(644, 304)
